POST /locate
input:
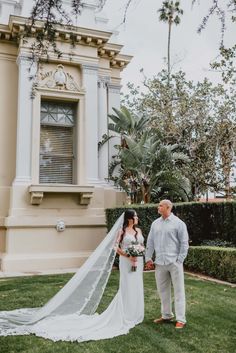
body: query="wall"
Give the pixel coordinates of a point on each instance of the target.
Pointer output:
(29, 211)
(8, 112)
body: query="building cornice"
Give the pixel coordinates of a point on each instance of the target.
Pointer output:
(18, 26)
(5, 33)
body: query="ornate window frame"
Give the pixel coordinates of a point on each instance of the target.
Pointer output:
(67, 92)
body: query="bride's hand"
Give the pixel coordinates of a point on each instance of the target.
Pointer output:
(133, 258)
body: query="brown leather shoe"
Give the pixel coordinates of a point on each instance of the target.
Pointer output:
(179, 325)
(161, 320)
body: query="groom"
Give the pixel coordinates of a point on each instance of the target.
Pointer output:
(168, 236)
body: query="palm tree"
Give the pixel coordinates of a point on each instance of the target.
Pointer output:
(170, 13)
(126, 123)
(149, 169)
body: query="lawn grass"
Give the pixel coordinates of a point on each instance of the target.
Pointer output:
(211, 315)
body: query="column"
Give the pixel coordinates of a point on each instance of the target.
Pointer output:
(24, 123)
(90, 79)
(113, 102)
(102, 127)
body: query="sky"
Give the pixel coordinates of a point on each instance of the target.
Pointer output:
(144, 37)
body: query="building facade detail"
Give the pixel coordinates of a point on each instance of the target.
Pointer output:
(58, 79)
(51, 168)
(24, 122)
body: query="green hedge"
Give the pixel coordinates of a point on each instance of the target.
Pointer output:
(215, 262)
(205, 221)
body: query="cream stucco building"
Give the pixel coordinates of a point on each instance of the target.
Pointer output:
(53, 179)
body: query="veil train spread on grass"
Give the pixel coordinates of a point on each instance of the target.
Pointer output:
(75, 304)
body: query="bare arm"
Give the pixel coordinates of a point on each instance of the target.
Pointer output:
(118, 249)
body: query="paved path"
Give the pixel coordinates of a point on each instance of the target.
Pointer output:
(36, 273)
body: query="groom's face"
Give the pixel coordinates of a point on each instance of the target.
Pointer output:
(163, 209)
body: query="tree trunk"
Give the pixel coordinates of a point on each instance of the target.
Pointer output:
(145, 193)
(227, 183)
(168, 51)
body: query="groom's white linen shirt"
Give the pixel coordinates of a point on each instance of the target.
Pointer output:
(169, 238)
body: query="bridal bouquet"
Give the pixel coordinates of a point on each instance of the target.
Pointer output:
(135, 249)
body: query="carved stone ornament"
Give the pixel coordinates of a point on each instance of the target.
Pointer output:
(60, 226)
(58, 79)
(38, 192)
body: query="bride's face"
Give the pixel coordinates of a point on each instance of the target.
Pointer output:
(135, 220)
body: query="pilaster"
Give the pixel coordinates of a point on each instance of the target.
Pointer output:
(103, 160)
(90, 78)
(113, 102)
(24, 122)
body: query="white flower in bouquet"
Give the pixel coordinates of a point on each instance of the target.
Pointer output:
(135, 249)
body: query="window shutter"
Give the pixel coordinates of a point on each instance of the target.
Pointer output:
(56, 148)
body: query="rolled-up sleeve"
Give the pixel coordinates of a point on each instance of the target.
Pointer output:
(184, 242)
(150, 245)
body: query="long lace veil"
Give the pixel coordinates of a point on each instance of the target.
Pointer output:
(81, 294)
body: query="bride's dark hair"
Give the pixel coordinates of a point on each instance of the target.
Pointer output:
(129, 214)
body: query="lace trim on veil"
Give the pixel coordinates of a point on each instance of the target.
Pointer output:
(81, 294)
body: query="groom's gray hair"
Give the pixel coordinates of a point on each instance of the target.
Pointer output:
(168, 203)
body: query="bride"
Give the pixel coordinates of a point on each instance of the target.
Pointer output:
(71, 314)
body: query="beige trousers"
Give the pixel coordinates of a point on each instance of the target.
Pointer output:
(165, 274)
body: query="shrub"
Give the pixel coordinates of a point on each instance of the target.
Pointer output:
(209, 221)
(218, 242)
(216, 262)
(205, 221)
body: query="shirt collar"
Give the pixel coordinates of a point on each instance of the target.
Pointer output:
(169, 218)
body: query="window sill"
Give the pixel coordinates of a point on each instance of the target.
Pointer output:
(37, 192)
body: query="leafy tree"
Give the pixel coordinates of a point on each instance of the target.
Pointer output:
(190, 115)
(226, 64)
(226, 143)
(52, 14)
(218, 8)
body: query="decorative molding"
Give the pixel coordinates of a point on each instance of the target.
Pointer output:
(85, 193)
(78, 34)
(23, 60)
(8, 57)
(50, 220)
(22, 180)
(103, 81)
(2, 221)
(36, 198)
(89, 69)
(85, 198)
(113, 88)
(58, 79)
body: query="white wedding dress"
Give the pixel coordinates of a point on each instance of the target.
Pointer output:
(124, 312)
